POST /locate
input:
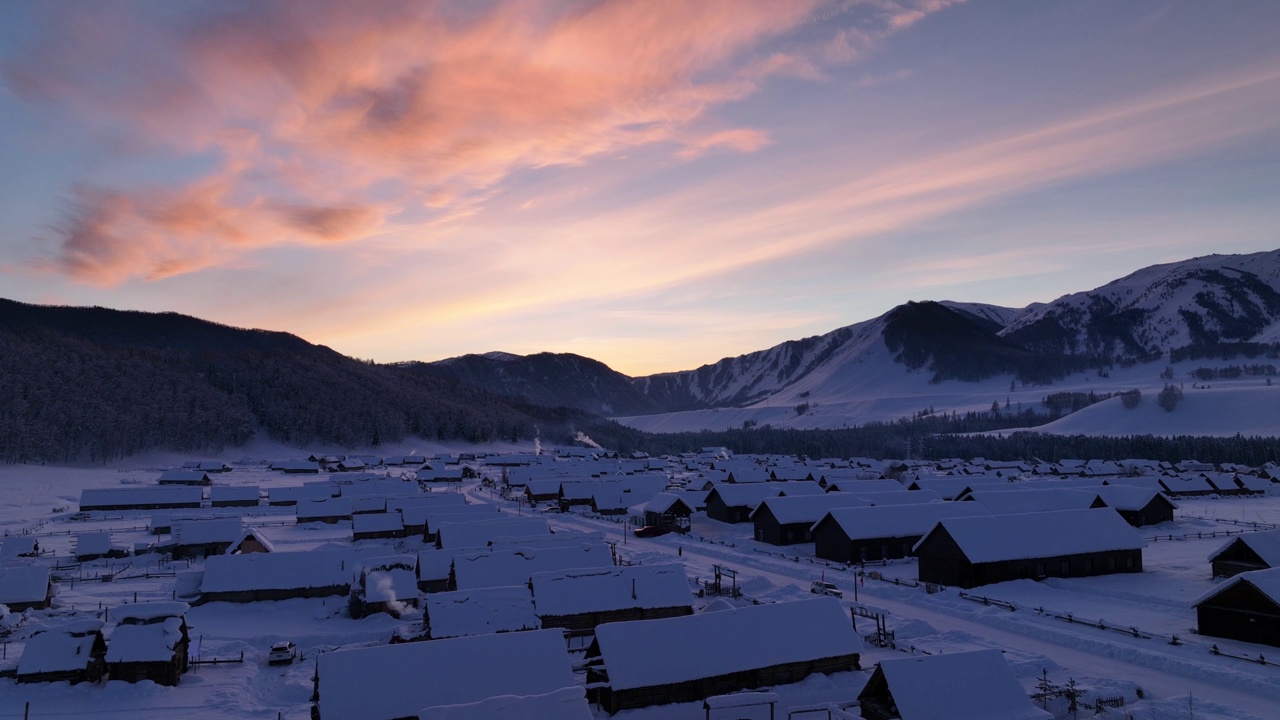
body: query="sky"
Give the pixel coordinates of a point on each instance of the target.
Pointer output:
(656, 184)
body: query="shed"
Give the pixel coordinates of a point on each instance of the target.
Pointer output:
(392, 681)
(23, 587)
(150, 642)
(738, 649)
(972, 551)
(97, 545)
(974, 685)
(386, 585)
(73, 652)
(578, 600)
(1245, 607)
(1244, 553)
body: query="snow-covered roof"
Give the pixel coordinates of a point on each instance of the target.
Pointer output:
(561, 538)
(24, 584)
(639, 653)
(254, 534)
(1039, 535)
(276, 571)
(1024, 501)
(296, 465)
(854, 485)
(1129, 497)
(397, 681)
(14, 546)
(327, 507)
(480, 611)
(514, 567)
(234, 493)
(60, 649)
(565, 704)
(572, 592)
(1267, 582)
(897, 521)
(976, 685)
(476, 534)
(149, 642)
(183, 476)
(950, 486)
(1265, 544)
(297, 493)
(806, 508)
(390, 583)
(141, 496)
(145, 611)
(377, 522)
(95, 543)
(1187, 484)
(663, 502)
(202, 532)
(750, 495)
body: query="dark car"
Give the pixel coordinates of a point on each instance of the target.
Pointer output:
(650, 531)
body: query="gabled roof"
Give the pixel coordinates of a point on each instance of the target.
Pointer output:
(1265, 544)
(977, 685)
(1039, 535)
(806, 508)
(585, 590)
(1024, 501)
(897, 521)
(396, 681)
(1131, 498)
(1266, 582)
(202, 532)
(638, 653)
(277, 571)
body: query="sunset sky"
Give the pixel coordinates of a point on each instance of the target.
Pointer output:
(655, 184)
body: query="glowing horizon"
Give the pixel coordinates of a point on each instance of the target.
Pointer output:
(655, 185)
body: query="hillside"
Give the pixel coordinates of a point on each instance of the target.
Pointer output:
(96, 384)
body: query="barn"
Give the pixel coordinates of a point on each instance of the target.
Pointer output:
(1246, 607)
(974, 685)
(150, 642)
(865, 534)
(1243, 553)
(631, 664)
(979, 550)
(580, 599)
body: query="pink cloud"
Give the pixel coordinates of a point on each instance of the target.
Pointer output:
(311, 104)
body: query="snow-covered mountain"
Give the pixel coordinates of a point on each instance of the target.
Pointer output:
(1202, 301)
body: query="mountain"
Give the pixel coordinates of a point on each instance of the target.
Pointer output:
(97, 384)
(548, 379)
(1201, 302)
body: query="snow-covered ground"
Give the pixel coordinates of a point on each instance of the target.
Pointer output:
(1157, 678)
(871, 387)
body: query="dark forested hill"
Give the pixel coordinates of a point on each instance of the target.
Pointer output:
(92, 383)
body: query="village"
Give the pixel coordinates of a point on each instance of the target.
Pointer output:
(577, 584)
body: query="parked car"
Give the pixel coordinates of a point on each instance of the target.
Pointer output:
(822, 587)
(282, 653)
(650, 531)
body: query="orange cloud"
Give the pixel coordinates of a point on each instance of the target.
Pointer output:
(311, 104)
